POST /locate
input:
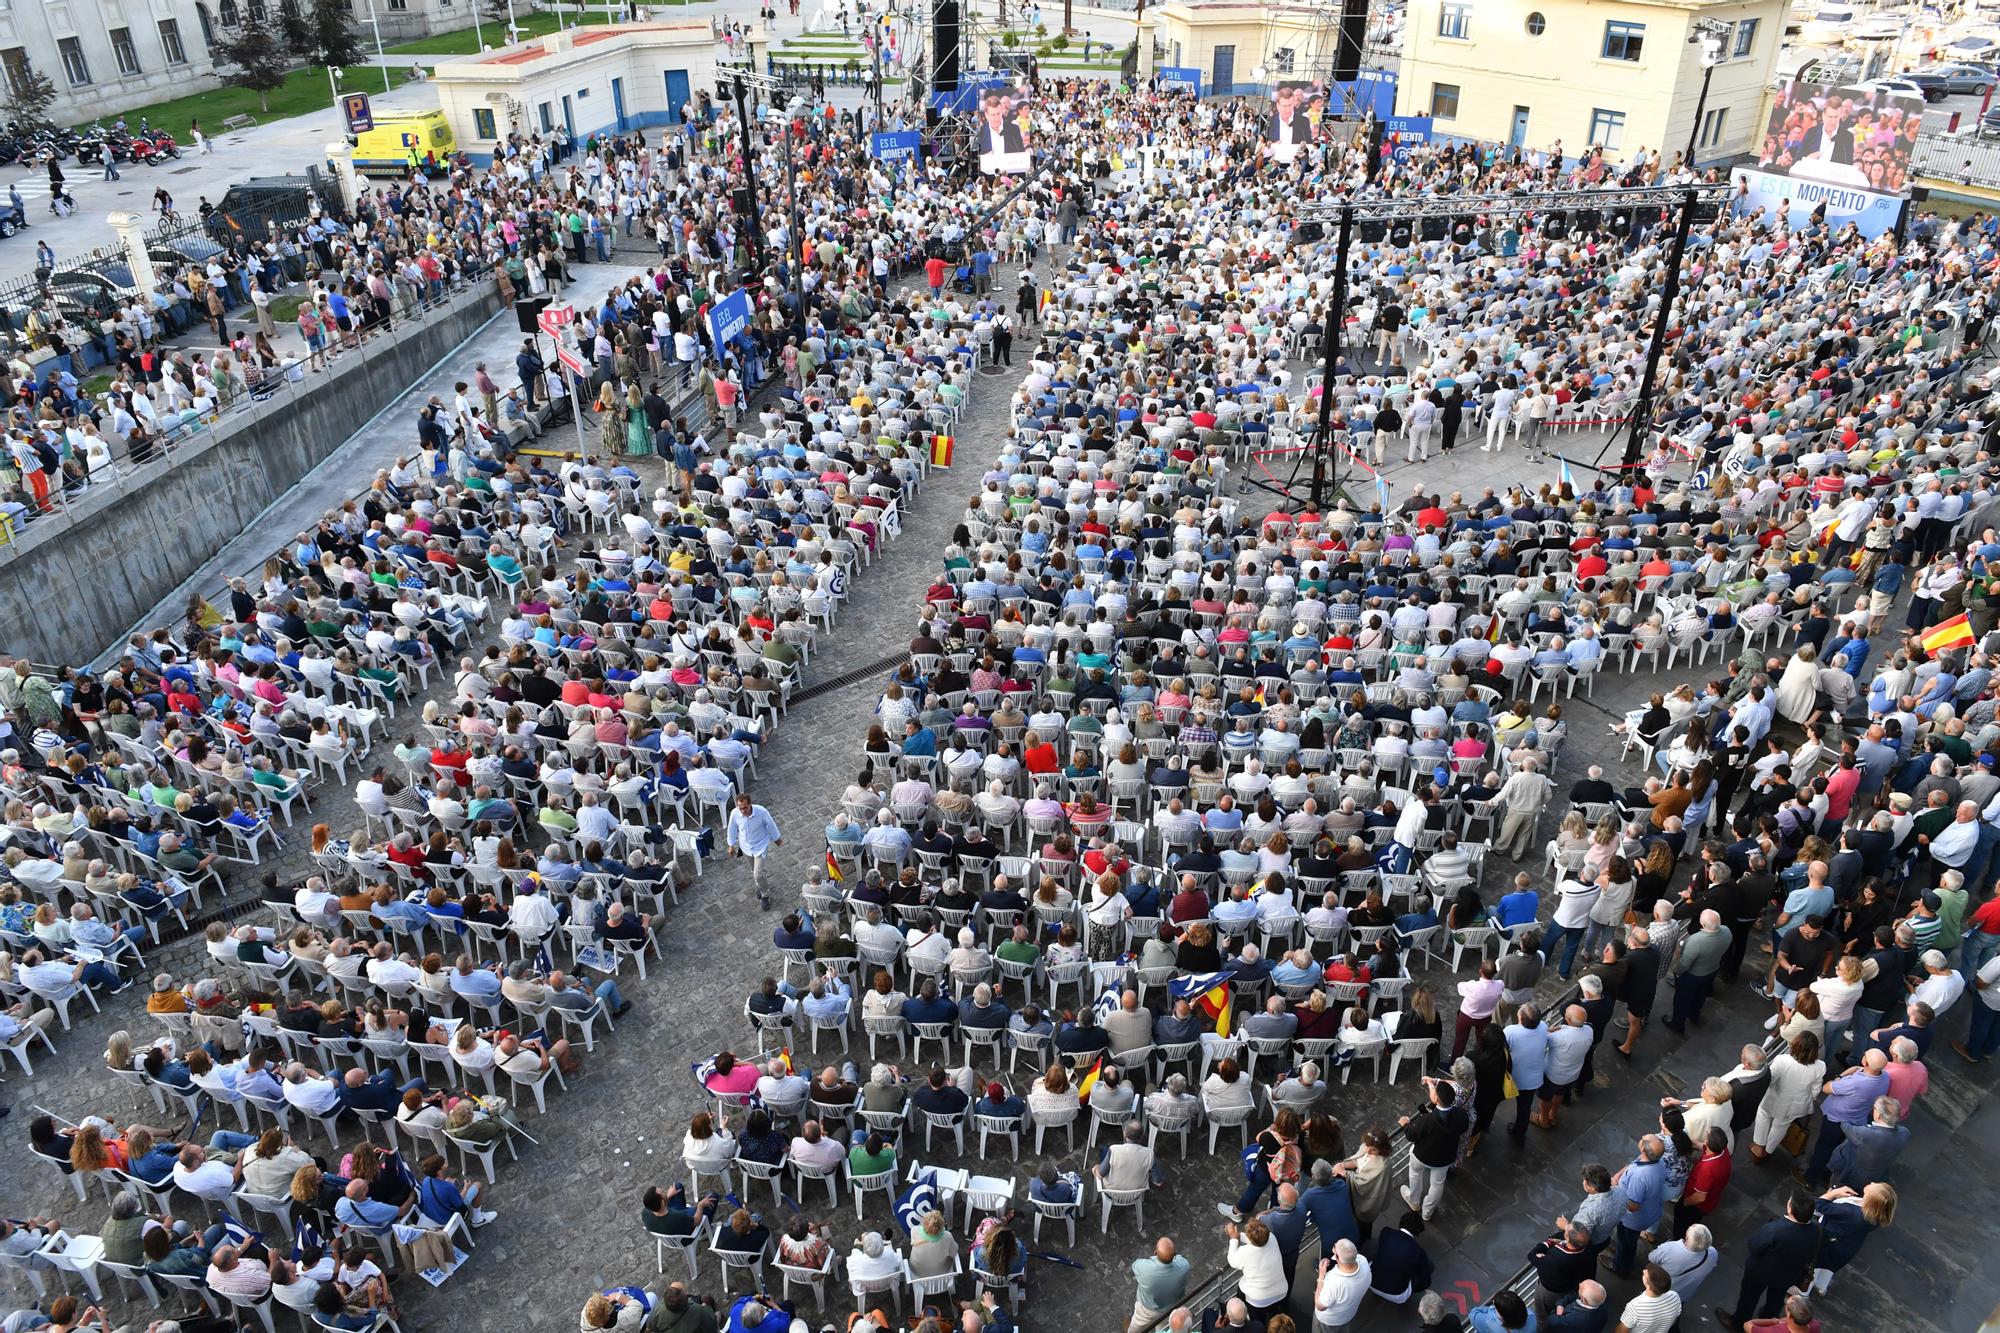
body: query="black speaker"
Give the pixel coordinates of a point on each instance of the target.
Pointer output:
(527, 312)
(1399, 232)
(1375, 134)
(1436, 229)
(1308, 233)
(944, 46)
(1555, 226)
(1372, 232)
(739, 201)
(1588, 220)
(1353, 37)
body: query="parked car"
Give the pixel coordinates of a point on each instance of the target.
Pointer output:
(1933, 86)
(1974, 48)
(1989, 124)
(1901, 85)
(1958, 78)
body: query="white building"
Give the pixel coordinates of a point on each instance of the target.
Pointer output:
(106, 56)
(591, 80)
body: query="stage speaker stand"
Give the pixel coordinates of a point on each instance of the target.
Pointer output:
(944, 46)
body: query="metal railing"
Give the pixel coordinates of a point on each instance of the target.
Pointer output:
(188, 435)
(1969, 159)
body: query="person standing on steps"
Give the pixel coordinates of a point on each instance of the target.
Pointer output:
(753, 833)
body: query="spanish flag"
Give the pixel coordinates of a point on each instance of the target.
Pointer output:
(833, 868)
(1089, 1081)
(1953, 633)
(1215, 1004)
(941, 451)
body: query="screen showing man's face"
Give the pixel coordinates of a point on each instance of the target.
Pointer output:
(1288, 103)
(996, 112)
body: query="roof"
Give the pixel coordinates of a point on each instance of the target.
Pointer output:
(527, 53)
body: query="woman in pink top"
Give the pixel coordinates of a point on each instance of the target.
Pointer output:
(730, 1078)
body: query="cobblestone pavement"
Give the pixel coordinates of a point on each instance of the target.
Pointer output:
(568, 1221)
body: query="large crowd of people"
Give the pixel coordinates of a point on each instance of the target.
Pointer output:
(1200, 802)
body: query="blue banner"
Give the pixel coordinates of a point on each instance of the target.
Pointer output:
(1870, 212)
(1406, 132)
(728, 317)
(1374, 94)
(1179, 79)
(895, 145)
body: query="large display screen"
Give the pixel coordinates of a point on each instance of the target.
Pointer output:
(1003, 145)
(1855, 138)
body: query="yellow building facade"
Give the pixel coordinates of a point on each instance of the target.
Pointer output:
(1621, 73)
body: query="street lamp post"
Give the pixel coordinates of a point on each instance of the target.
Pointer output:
(1713, 50)
(381, 56)
(795, 241)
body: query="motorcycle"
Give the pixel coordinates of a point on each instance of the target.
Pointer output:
(163, 145)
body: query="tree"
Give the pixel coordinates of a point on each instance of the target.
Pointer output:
(30, 94)
(255, 58)
(337, 42)
(296, 25)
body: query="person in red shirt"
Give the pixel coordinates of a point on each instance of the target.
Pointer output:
(1041, 757)
(1431, 518)
(1707, 1178)
(1592, 565)
(935, 271)
(1841, 785)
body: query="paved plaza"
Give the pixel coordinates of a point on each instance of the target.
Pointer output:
(569, 1219)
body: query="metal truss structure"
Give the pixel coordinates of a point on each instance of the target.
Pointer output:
(1325, 445)
(1315, 50)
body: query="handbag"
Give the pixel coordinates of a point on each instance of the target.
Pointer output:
(1795, 1139)
(1508, 1090)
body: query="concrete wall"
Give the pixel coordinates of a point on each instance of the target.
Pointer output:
(71, 584)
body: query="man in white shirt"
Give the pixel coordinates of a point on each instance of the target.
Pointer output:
(1942, 987)
(315, 1094)
(1658, 1308)
(1343, 1282)
(388, 971)
(210, 1180)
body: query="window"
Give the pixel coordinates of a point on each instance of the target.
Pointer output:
(548, 120)
(399, 4)
(170, 42)
(1746, 37)
(1455, 20)
(582, 94)
(1444, 101)
(1623, 41)
(72, 59)
(122, 48)
(226, 11)
(15, 61)
(1284, 60)
(1607, 128)
(1711, 127)
(1537, 25)
(482, 123)
(207, 26)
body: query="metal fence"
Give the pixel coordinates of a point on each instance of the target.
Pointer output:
(78, 285)
(193, 433)
(1968, 159)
